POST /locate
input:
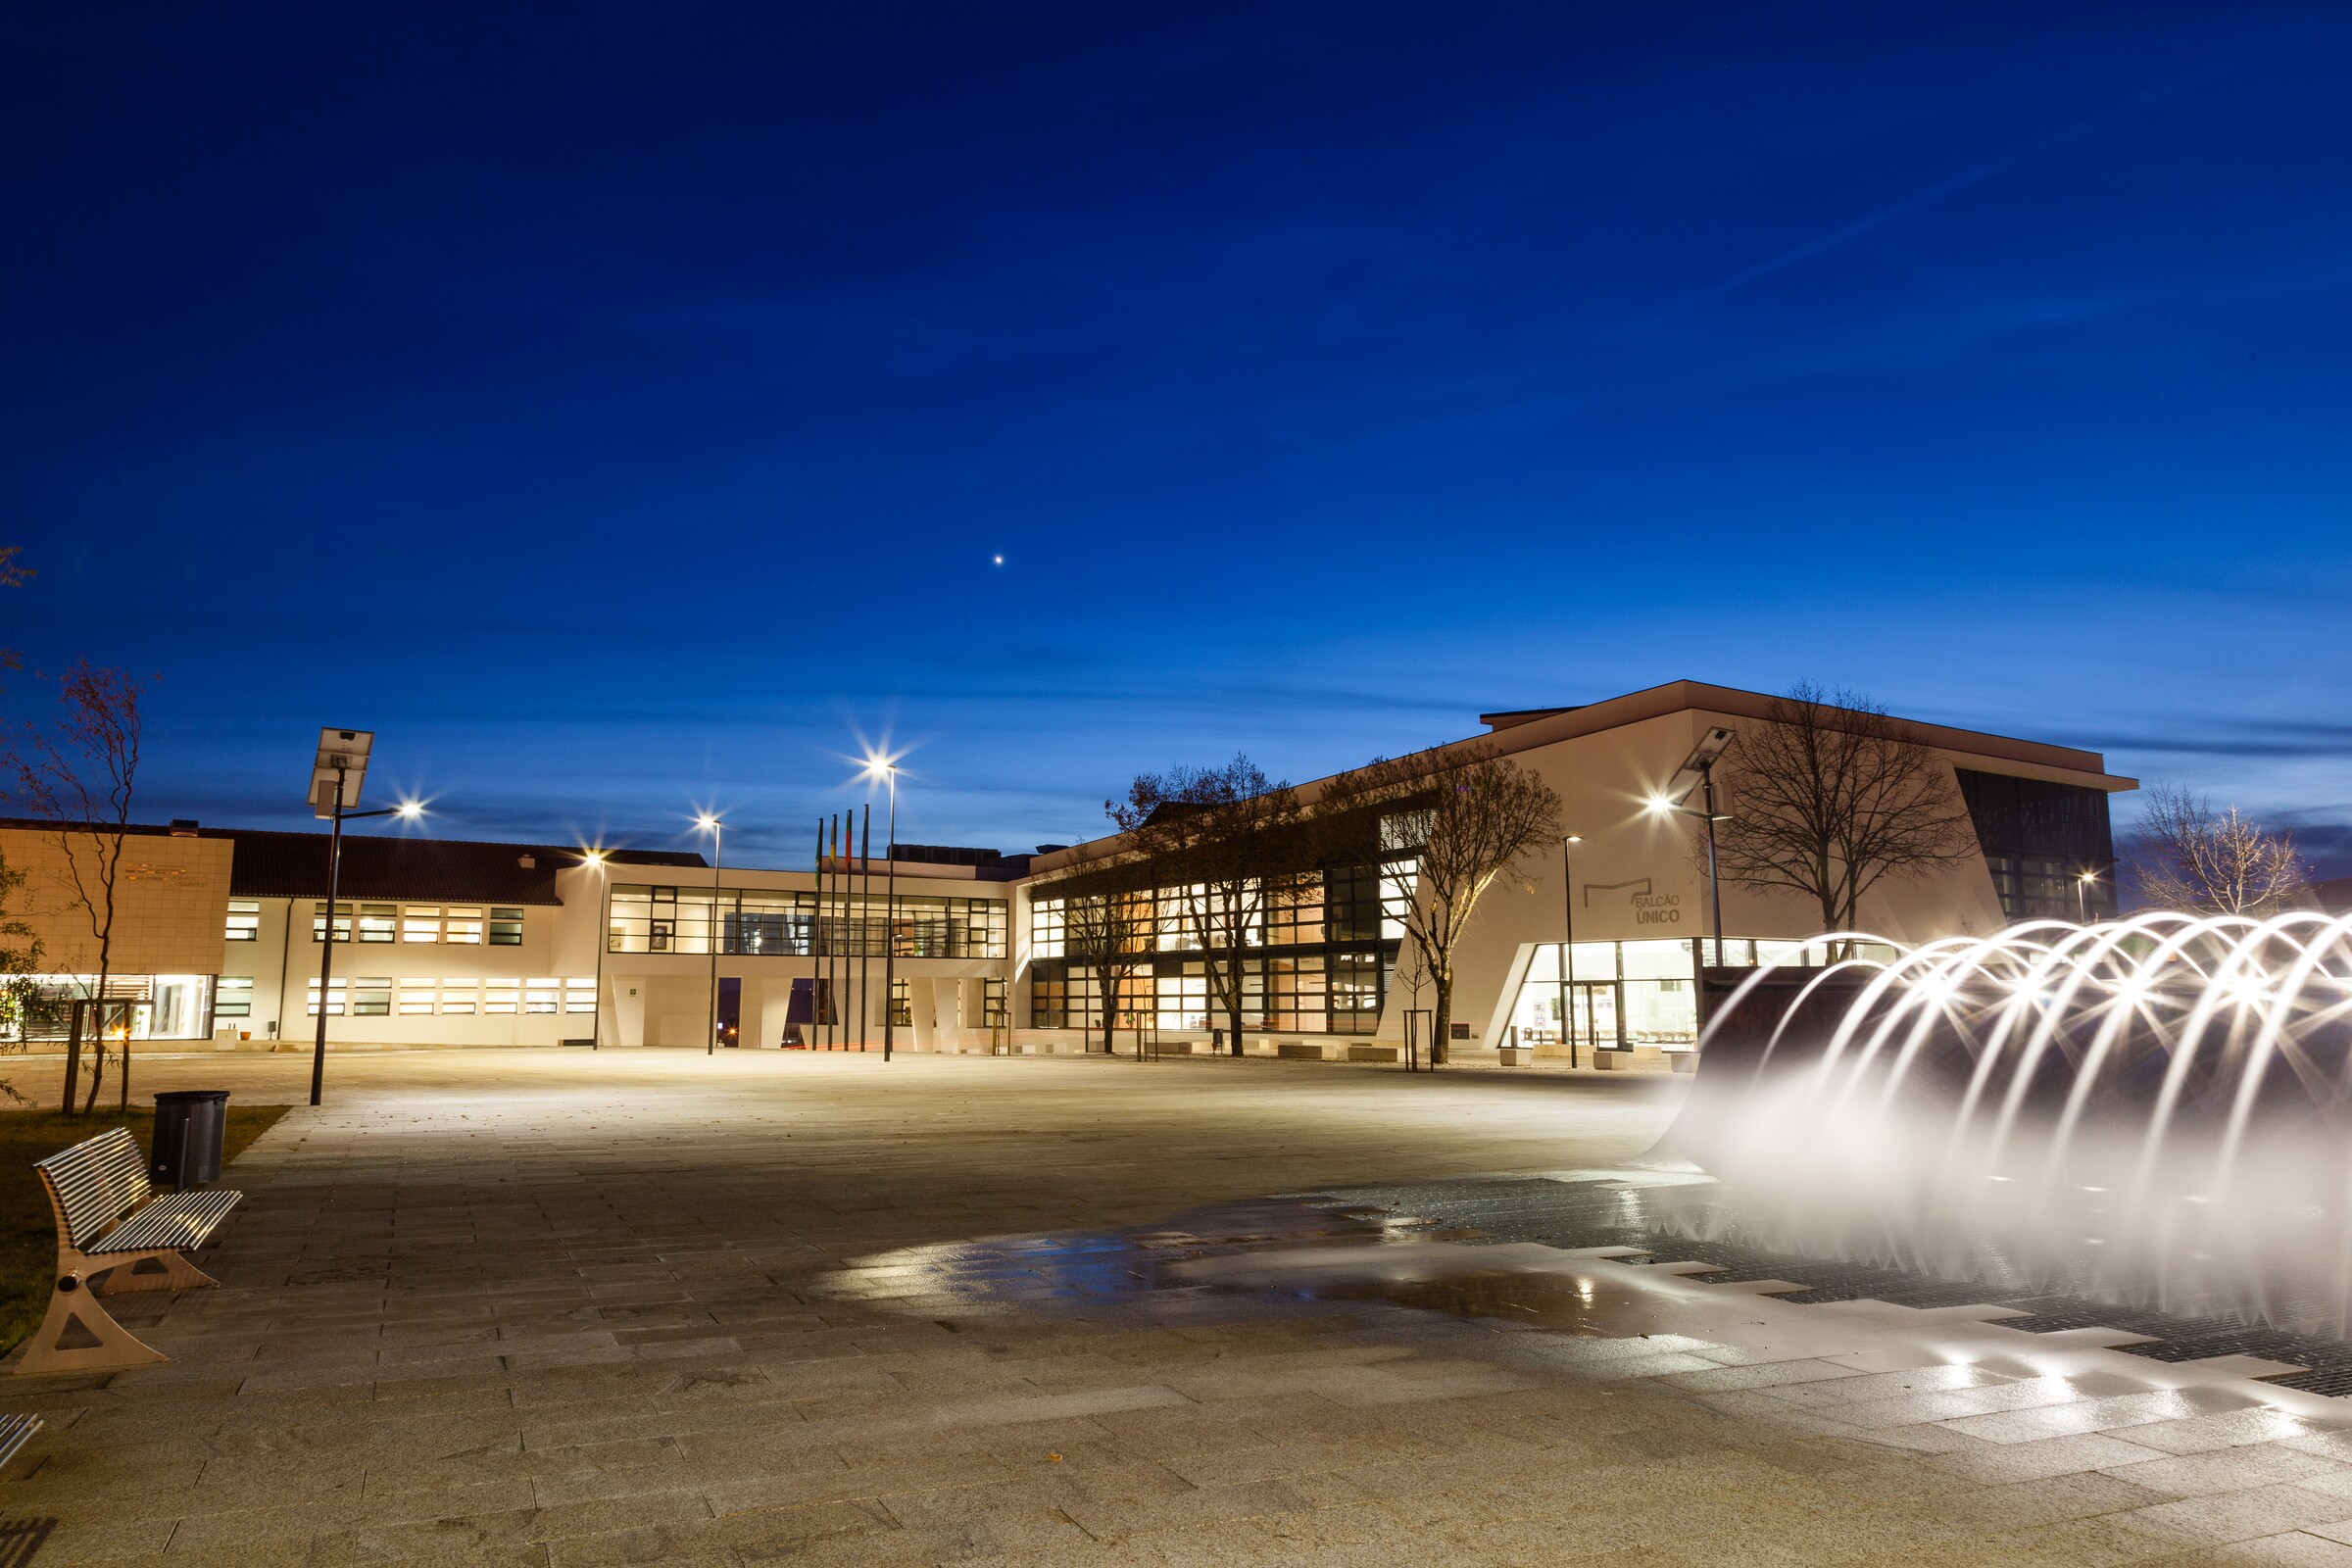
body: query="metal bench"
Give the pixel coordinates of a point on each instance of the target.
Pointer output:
(15, 1432)
(113, 1225)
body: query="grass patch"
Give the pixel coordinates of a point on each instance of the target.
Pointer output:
(28, 1231)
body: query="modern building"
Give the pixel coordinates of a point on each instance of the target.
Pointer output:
(1634, 886)
(474, 943)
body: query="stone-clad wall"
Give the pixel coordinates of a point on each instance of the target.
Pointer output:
(170, 896)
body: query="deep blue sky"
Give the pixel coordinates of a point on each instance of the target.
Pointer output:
(619, 409)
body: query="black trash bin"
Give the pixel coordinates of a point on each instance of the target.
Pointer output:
(188, 1123)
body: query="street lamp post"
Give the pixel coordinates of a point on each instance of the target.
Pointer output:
(1714, 882)
(890, 921)
(1699, 772)
(887, 768)
(712, 825)
(1568, 947)
(2082, 884)
(335, 780)
(604, 940)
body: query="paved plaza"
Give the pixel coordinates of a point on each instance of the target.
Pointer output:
(651, 1307)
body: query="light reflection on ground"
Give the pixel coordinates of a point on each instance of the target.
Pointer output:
(1285, 1256)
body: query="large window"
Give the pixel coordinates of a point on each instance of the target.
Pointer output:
(1048, 927)
(794, 924)
(2040, 839)
(1317, 960)
(1635, 993)
(244, 920)
(153, 1007)
(234, 998)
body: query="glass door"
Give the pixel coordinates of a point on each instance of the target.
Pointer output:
(1596, 1007)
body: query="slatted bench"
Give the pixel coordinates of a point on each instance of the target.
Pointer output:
(113, 1225)
(15, 1432)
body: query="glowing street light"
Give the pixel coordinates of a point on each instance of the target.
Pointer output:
(596, 861)
(1699, 772)
(1568, 947)
(2082, 884)
(887, 768)
(711, 824)
(336, 775)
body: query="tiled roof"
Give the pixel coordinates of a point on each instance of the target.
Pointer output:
(293, 866)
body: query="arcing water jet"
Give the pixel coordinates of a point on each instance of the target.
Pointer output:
(2152, 1110)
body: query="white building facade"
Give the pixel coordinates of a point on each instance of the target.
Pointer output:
(448, 943)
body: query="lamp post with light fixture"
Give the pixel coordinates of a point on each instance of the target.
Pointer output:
(1699, 772)
(2082, 884)
(604, 940)
(1568, 947)
(888, 768)
(335, 779)
(711, 824)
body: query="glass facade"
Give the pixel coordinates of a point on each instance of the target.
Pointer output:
(759, 921)
(1315, 959)
(151, 1007)
(1629, 993)
(2039, 839)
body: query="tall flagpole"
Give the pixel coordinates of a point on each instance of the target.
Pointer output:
(865, 900)
(833, 1030)
(841, 924)
(816, 920)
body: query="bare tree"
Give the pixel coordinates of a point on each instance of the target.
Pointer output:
(81, 776)
(1468, 818)
(2188, 856)
(1831, 795)
(1109, 926)
(1412, 973)
(1222, 842)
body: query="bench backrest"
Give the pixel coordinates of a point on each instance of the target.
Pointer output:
(96, 1182)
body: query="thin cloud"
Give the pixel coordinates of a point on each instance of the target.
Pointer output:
(1927, 195)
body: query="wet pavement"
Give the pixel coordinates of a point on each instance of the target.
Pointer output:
(556, 1308)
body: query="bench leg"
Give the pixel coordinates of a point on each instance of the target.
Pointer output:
(154, 1271)
(80, 1336)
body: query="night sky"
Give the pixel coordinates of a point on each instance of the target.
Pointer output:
(621, 410)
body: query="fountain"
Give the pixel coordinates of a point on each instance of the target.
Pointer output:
(2151, 1110)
